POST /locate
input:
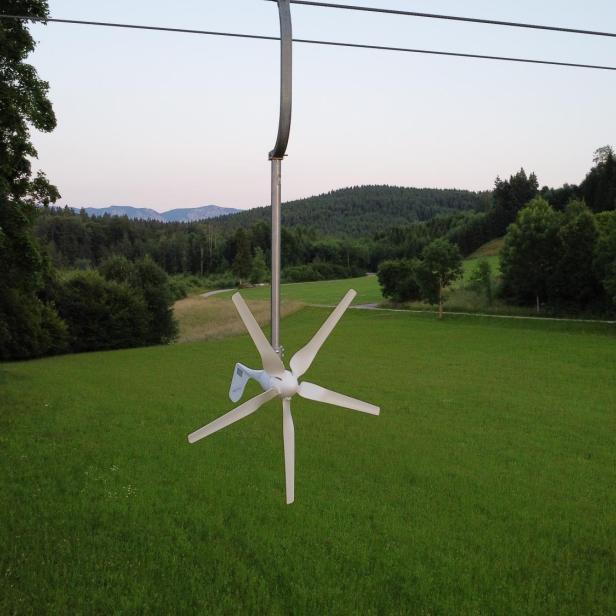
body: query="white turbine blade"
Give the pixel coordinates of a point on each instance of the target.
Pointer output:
(301, 361)
(272, 364)
(320, 394)
(232, 416)
(288, 431)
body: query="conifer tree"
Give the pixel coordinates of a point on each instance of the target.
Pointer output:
(242, 264)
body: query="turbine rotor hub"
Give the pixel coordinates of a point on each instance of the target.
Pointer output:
(286, 386)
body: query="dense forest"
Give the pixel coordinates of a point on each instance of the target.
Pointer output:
(361, 211)
(77, 241)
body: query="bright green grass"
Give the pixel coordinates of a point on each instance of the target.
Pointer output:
(327, 292)
(330, 292)
(486, 486)
(469, 265)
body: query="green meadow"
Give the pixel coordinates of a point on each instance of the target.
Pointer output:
(326, 292)
(329, 292)
(469, 266)
(486, 486)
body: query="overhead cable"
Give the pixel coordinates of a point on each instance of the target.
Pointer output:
(314, 42)
(476, 20)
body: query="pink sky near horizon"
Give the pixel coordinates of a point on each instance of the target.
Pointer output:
(167, 121)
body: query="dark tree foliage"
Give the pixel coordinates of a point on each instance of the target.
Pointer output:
(259, 272)
(23, 103)
(193, 248)
(605, 253)
(102, 314)
(153, 283)
(559, 198)
(574, 282)
(319, 271)
(440, 265)
(242, 262)
(28, 325)
(530, 254)
(509, 197)
(122, 305)
(599, 187)
(398, 279)
(563, 260)
(118, 269)
(360, 211)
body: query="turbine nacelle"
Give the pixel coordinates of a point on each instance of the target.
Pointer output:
(286, 385)
(278, 382)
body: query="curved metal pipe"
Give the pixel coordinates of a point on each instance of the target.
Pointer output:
(286, 80)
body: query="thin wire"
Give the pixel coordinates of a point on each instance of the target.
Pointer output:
(313, 42)
(492, 22)
(138, 27)
(458, 55)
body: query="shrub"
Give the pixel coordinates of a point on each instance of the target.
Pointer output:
(102, 314)
(29, 327)
(153, 283)
(398, 279)
(117, 268)
(319, 271)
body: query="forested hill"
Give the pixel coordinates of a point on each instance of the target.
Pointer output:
(361, 211)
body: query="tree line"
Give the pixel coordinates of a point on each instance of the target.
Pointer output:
(42, 310)
(559, 252)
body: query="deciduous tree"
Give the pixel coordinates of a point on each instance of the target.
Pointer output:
(531, 253)
(30, 326)
(574, 281)
(441, 264)
(398, 279)
(259, 271)
(481, 280)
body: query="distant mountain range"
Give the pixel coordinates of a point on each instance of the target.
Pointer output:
(358, 211)
(179, 215)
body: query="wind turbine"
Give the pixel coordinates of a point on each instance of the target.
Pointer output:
(278, 382)
(274, 378)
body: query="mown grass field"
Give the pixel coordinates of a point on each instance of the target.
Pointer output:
(330, 292)
(486, 486)
(325, 292)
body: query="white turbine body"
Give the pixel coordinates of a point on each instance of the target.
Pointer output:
(278, 382)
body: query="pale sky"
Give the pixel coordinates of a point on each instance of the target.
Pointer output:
(175, 120)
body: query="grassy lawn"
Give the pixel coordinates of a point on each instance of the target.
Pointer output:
(486, 486)
(326, 292)
(330, 292)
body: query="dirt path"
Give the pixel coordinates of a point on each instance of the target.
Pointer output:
(464, 314)
(212, 293)
(477, 314)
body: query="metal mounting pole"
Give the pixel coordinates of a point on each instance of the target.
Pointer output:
(277, 155)
(275, 299)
